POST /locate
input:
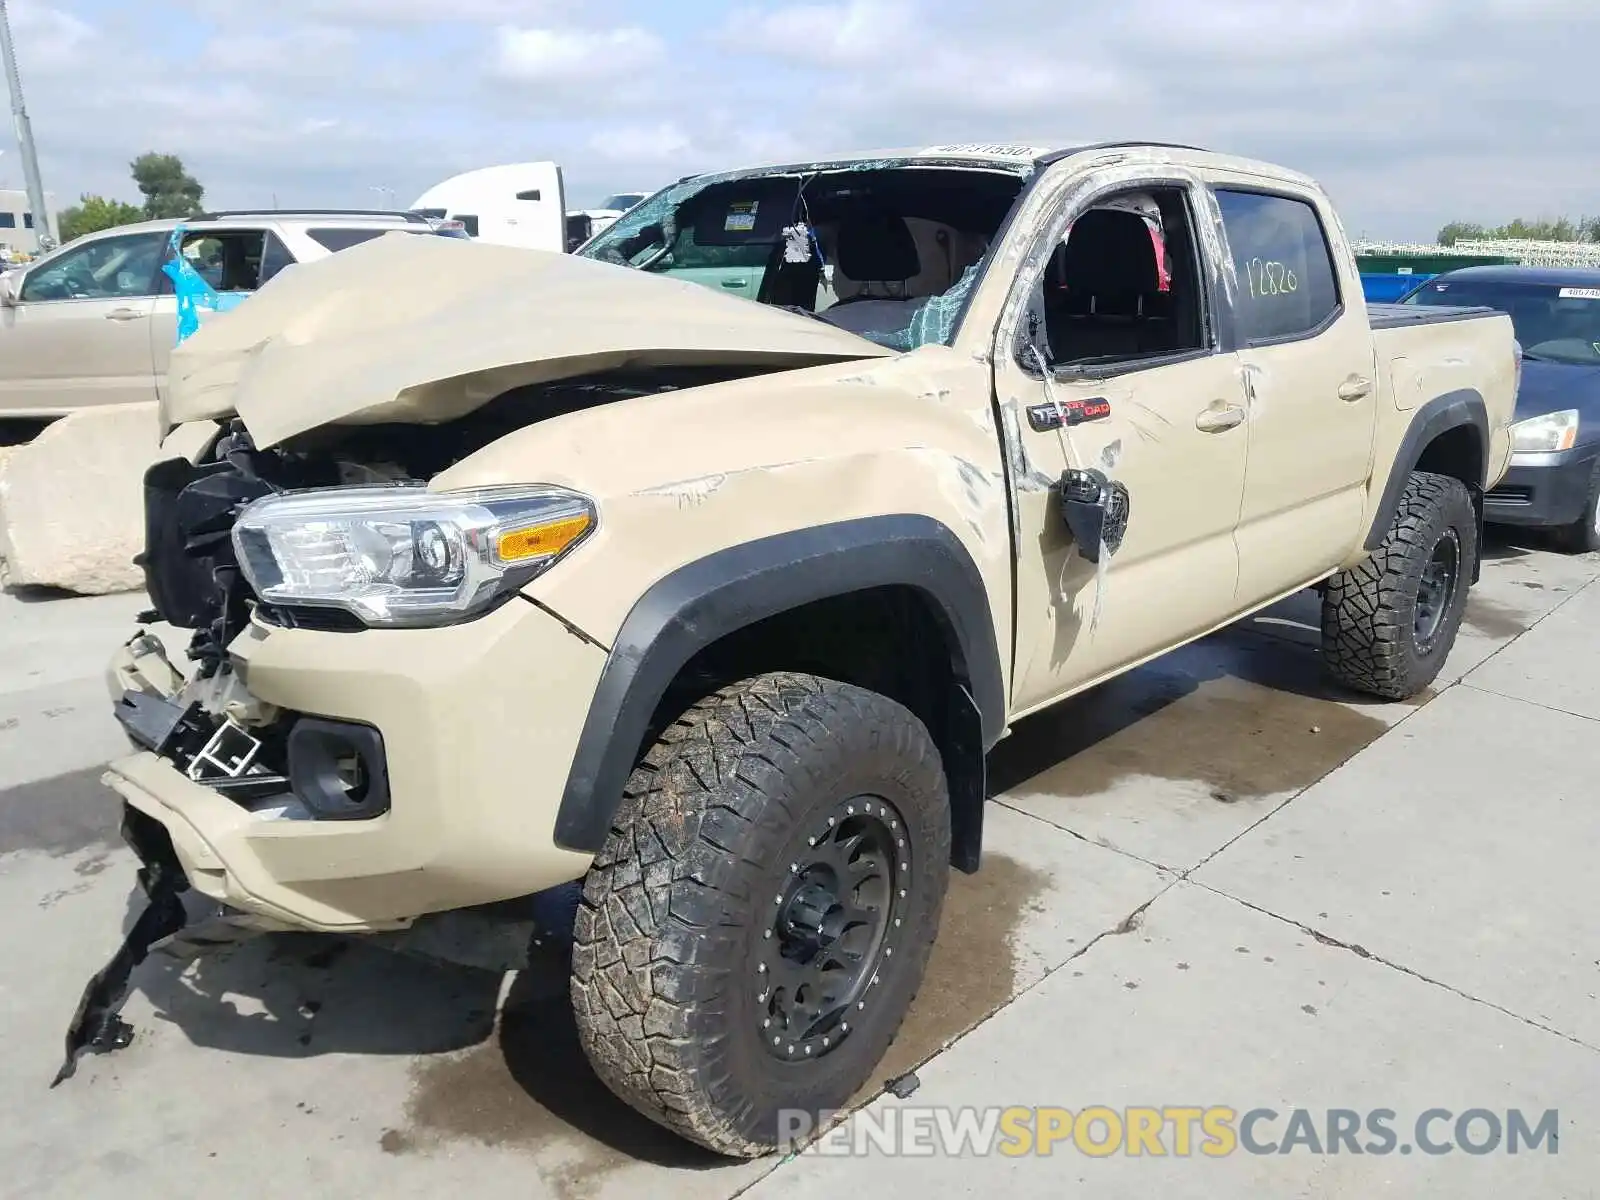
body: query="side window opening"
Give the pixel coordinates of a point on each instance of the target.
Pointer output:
(579, 229)
(342, 238)
(337, 238)
(230, 260)
(108, 268)
(1287, 287)
(1125, 283)
(274, 257)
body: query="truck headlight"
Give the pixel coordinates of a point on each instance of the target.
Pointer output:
(402, 555)
(1553, 431)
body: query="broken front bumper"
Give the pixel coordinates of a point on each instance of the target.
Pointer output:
(174, 922)
(478, 725)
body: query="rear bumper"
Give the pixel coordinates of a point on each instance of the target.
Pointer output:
(1543, 489)
(479, 721)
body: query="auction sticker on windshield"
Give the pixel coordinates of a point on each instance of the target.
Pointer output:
(1575, 293)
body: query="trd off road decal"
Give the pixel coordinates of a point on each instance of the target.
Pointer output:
(1056, 413)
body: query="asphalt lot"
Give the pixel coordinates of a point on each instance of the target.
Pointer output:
(1211, 882)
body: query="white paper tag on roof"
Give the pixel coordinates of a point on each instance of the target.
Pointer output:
(1576, 293)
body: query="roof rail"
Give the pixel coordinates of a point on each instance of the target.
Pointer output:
(312, 212)
(1067, 152)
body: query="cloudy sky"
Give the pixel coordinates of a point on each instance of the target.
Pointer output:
(1411, 112)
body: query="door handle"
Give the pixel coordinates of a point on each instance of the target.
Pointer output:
(734, 283)
(124, 314)
(1218, 420)
(1355, 388)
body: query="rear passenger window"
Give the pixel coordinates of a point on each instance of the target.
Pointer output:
(343, 239)
(1285, 270)
(274, 257)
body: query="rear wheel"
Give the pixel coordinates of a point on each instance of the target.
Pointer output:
(759, 919)
(1583, 535)
(1389, 624)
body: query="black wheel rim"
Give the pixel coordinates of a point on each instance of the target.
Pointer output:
(833, 924)
(1436, 589)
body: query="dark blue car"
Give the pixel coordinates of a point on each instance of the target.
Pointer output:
(1554, 480)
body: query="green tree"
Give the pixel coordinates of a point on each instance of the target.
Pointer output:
(94, 213)
(169, 190)
(1458, 231)
(1542, 229)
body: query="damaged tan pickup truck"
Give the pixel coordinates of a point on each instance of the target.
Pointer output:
(706, 566)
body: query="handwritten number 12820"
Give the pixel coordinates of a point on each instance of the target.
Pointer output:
(1268, 278)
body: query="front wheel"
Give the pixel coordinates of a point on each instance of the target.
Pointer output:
(1389, 623)
(759, 919)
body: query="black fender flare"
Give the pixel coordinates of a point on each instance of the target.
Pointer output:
(1453, 410)
(705, 600)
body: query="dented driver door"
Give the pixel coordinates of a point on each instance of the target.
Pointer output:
(1158, 431)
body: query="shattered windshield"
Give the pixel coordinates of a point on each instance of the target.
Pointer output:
(888, 249)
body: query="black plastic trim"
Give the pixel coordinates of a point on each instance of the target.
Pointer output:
(706, 600)
(315, 747)
(1408, 316)
(1097, 372)
(1439, 415)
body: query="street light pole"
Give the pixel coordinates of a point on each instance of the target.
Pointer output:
(19, 117)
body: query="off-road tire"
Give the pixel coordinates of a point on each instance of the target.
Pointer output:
(1369, 634)
(678, 901)
(1583, 535)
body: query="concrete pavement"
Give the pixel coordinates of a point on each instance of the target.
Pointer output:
(1211, 882)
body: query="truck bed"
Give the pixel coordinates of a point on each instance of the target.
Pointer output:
(1401, 316)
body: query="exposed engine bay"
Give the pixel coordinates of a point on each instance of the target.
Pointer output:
(195, 581)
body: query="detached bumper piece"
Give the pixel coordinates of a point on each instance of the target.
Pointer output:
(97, 1026)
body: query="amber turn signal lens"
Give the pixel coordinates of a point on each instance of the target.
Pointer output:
(540, 541)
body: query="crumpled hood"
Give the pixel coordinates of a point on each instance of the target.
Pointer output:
(418, 329)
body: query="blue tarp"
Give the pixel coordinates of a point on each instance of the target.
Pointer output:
(192, 290)
(1386, 289)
